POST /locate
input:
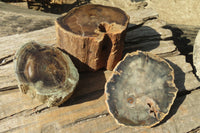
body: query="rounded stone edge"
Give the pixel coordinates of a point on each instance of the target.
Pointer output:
(155, 57)
(60, 27)
(31, 92)
(196, 54)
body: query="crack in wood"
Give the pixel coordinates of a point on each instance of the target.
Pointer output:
(113, 130)
(9, 88)
(83, 98)
(14, 115)
(36, 111)
(195, 130)
(169, 54)
(133, 27)
(104, 114)
(11, 129)
(7, 59)
(89, 118)
(77, 22)
(27, 112)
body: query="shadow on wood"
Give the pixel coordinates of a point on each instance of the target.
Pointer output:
(179, 80)
(140, 37)
(184, 37)
(78, 64)
(90, 87)
(55, 7)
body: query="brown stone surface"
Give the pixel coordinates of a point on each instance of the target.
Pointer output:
(93, 35)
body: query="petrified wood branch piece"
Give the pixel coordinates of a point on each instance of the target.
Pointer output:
(93, 35)
(141, 90)
(45, 73)
(196, 54)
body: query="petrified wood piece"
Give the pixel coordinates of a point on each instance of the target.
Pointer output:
(94, 35)
(141, 90)
(196, 54)
(45, 73)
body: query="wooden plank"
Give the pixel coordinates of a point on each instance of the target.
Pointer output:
(15, 102)
(79, 118)
(125, 4)
(91, 81)
(9, 44)
(182, 71)
(191, 82)
(7, 77)
(179, 61)
(185, 79)
(156, 47)
(63, 117)
(138, 14)
(138, 17)
(89, 84)
(151, 36)
(16, 20)
(4, 7)
(188, 32)
(151, 30)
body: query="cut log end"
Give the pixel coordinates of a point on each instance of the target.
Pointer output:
(85, 20)
(93, 35)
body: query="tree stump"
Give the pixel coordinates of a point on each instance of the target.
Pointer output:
(93, 35)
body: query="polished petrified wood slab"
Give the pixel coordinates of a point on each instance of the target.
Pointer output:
(93, 35)
(196, 54)
(141, 89)
(45, 73)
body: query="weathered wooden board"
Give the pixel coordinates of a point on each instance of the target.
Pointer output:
(150, 30)
(181, 121)
(7, 78)
(23, 11)
(136, 10)
(150, 36)
(14, 102)
(15, 20)
(80, 117)
(9, 44)
(156, 47)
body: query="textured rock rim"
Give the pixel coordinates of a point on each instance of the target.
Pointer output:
(45, 73)
(101, 26)
(155, 57)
